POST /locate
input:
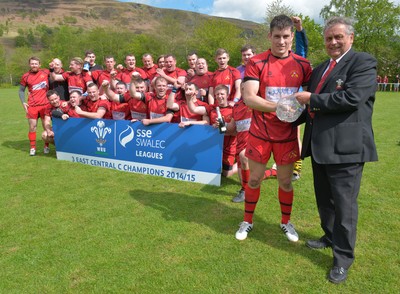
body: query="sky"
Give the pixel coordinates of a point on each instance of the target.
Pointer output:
(252, 10)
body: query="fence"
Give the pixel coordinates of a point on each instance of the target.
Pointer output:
(389, 87)
(9, 80)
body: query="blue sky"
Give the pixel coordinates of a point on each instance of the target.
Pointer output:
(252, 10)
(202, 6)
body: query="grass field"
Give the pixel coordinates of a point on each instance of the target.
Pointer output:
(72, 228)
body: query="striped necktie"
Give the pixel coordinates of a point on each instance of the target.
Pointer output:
(332, 64)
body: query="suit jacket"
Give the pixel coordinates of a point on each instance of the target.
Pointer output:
(341, 131)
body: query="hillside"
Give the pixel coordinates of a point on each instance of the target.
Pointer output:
(138, 18)
(31, 25)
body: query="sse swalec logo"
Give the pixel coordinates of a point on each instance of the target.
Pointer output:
(126, 136)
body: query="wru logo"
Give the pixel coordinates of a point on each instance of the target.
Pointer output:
(101, 132)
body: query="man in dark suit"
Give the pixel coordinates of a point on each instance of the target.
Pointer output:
(339, 138)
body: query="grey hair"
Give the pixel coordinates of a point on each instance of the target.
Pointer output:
(347, 22)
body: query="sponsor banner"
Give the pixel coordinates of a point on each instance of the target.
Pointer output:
(192, 154)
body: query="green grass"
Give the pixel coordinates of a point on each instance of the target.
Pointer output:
(72, 228)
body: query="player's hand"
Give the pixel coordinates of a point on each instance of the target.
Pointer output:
(297, 23)
(113, 73)
(105, 84)
(183, 124)
(190, 72)
(135, 75)
(231, 103)
(178, 85)
(216, 125)
(78, 110)
(26, 106)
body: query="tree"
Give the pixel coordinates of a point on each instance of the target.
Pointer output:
(377, 26)
(64, 43)
(143, 43)
(211, 35)
(18, 64)
(316, 49)
(277, 8)
(172, 38)
(316, 52)
(3, 70)
(105, 42)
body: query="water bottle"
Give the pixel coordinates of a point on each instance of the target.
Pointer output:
(86, 66)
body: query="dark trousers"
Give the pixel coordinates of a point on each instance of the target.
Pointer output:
(336, 189)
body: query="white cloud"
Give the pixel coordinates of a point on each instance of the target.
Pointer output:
(255, 10)
(249, 10)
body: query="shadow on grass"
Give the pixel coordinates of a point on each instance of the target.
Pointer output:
(223, 218)
(224, 188)
(23, 146)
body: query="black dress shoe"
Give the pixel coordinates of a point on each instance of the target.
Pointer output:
(337, 275)
(318, 244)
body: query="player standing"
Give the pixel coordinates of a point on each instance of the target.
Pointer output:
(273, 74)
(37, 82)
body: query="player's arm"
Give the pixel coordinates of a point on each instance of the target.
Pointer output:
(301, 37)
(21, 94)
(101, 111)
(158, 120)
(47, 126)
(231, 128)
(181, 80)
(211, 99)
(161, 73)
(169, 79)
(111, 95)
(56, 77)
(114, 79)
(53, 76)
(252, 100)
(238, 93)
(196, 122)
(171, 104)
(132, 87)
(206, 118)
(196, 109)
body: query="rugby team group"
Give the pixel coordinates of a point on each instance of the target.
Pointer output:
(239, 101)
